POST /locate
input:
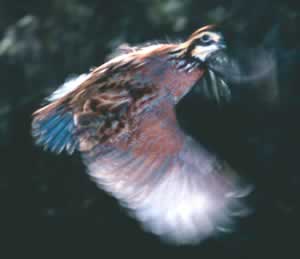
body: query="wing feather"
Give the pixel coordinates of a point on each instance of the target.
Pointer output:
(173, 186)
(107, 99)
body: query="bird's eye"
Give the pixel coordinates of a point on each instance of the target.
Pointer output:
(205, 38)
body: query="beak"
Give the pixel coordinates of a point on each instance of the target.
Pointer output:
(221, 44)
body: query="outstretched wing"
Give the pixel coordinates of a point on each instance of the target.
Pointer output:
(99, 105)
(173, 186)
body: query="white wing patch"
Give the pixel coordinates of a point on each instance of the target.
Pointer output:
(194, 198)
(68, 87)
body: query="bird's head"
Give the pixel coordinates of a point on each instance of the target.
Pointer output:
(205, 48)
(201, 44)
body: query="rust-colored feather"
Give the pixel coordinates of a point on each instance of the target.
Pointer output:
(121, 118)
(110, 102)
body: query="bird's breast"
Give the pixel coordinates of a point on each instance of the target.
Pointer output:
(180, 82)
(169, 79)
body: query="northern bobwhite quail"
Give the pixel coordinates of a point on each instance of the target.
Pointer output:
(121, 118)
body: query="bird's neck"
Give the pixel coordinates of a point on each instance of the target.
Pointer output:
(181, 76)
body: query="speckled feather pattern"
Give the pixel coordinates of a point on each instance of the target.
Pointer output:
(121, 118)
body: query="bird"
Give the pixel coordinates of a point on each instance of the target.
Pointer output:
(120, 117)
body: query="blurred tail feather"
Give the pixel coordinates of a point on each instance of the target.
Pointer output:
(53, 129)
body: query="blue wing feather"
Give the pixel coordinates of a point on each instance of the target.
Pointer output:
(55, 131)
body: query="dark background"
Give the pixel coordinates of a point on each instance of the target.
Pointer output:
(48, 206)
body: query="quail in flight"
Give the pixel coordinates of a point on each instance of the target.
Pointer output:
(121, 118)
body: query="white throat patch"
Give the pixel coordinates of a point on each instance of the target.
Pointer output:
(203, 52)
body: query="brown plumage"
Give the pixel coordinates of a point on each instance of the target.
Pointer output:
(121, 118)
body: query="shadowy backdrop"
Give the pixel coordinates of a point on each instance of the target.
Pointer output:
(48, 206)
